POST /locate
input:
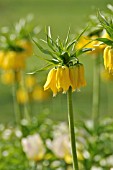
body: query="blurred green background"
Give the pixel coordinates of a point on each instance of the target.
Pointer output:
(59, 14)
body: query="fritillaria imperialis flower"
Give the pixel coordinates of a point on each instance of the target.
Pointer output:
(33, 147)
(22, 96)
(30, 81)
(62, 77)
(13, 60)
(108, 58)
(27, 46)
(38, 94)
(77, 76)
(51, 81)
(8, 77)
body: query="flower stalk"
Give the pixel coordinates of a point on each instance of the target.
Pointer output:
(15, 104)
(71, 129)
(96, 90)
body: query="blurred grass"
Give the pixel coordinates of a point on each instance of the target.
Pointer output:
(59, 14)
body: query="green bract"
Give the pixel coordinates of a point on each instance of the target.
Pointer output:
(62, 53)
(107, 24)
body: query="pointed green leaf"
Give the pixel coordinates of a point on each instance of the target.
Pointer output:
(67, 37)
(83, 50)
(77, 39)
(45, 51)
(42, 69)
(108, 26)
(106, 41)
(71, 44)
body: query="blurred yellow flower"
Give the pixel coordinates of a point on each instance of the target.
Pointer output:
(13, 60)
(33, 147)
(106, 76)
(96, 45)
(2, 55)
(27, 46)
(38, 94)
(8, 77)
(30, 81)
(22, 96)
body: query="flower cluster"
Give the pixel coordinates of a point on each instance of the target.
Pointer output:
(66, 70)
(62, 77)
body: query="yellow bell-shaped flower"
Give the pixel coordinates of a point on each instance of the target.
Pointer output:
(2, 55)
(27, 46)
(106, 57)
(22, 96)
(8, 77)
(73, 73)
(51, 81)
(81, 76)
(30, 81)
(110, 54)
(62, 78)
(77, 76)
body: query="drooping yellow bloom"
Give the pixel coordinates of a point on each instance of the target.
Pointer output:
(2, 55)
(51, 81)
(62, 78)
(77, 76)
(106, 57)
(8, 77)
(110, 54)
(106, 76)
(30, 81)
(13, 60)
(97, 48)
(38, 94)
(22, 96)
(81, 76)
(27, 46)
(73, 73)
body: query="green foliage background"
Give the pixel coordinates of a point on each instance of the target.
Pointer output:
(59, 14)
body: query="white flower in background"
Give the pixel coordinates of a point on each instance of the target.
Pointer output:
(33, 147)
(96, 168)
(61, 147)
(7, 133)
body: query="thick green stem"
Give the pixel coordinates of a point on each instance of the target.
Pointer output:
(26, 110)
(71, 129)
(96, 89)
(15, 104)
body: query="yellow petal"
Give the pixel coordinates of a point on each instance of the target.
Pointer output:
(62, 78)
(73, 73)
(106, 57)
(51, 81)
(110, 54)
(81, 77)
